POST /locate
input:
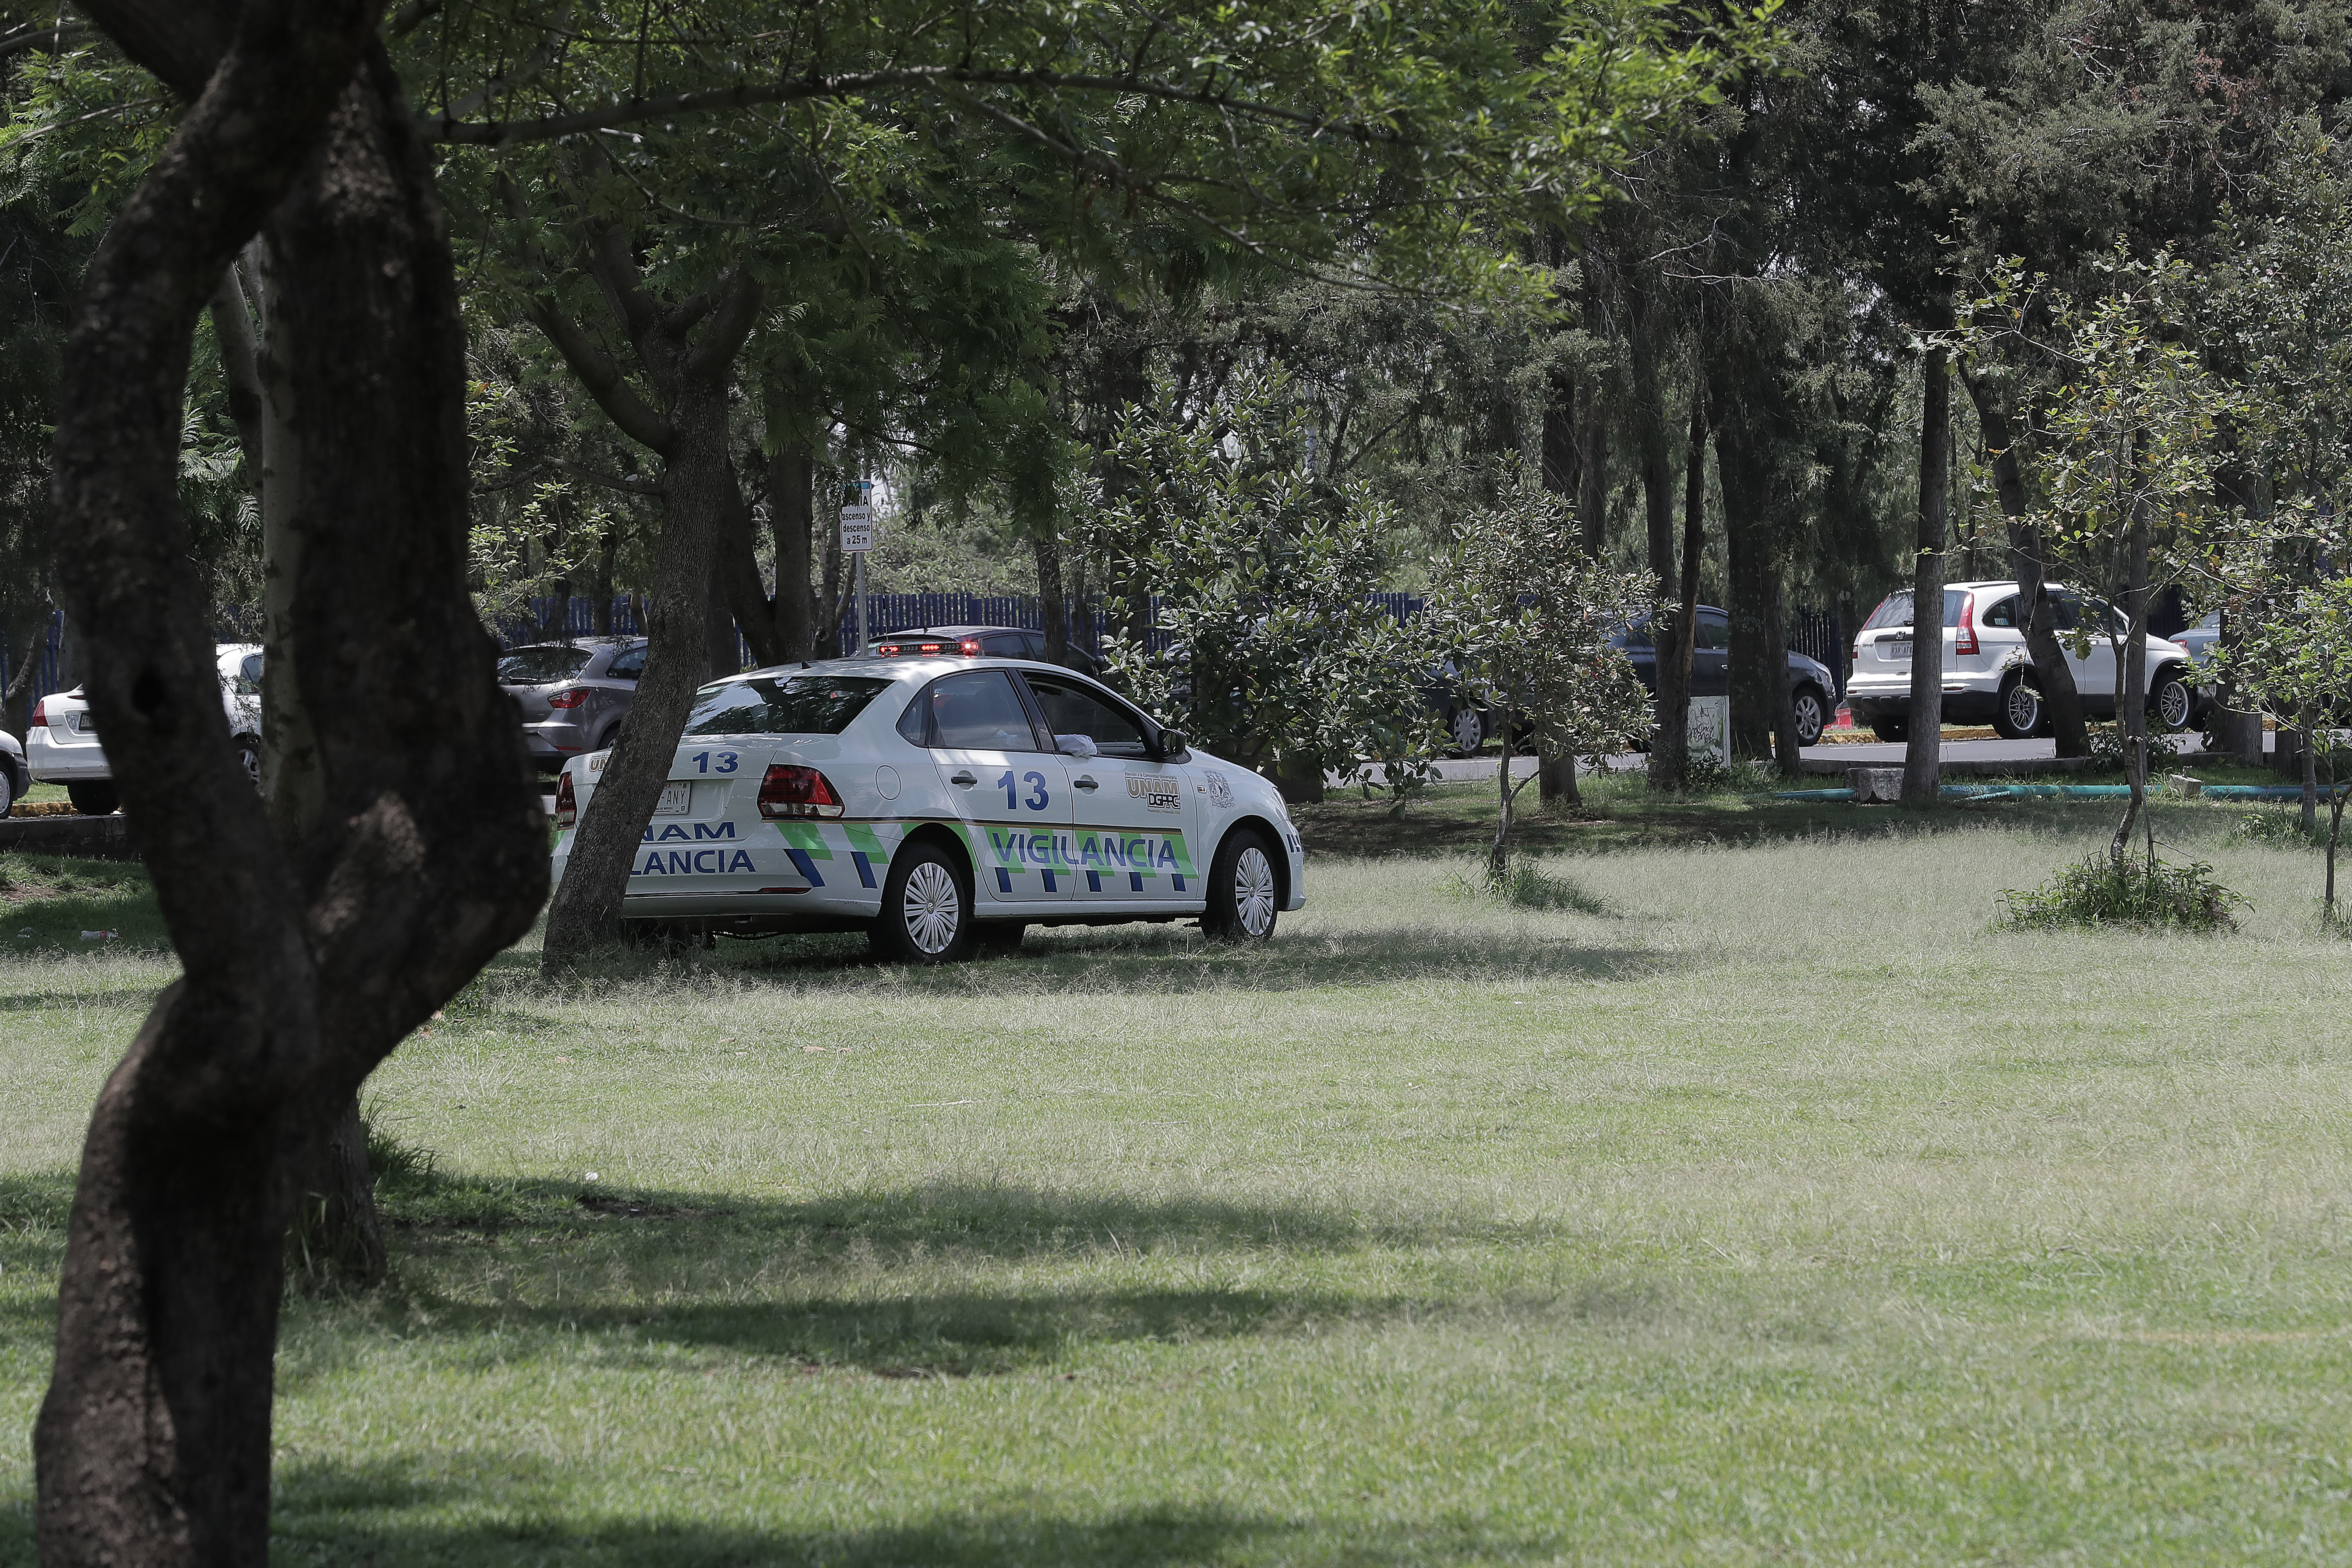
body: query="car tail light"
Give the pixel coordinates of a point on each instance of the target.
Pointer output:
(969, 647)
(567, 803)
(571, 698)
(792, 791)
(1965, 640)
(40, 713)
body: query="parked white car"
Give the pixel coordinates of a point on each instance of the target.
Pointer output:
(1988, 676)
(944, 804)
(62, 746)
(16, 775)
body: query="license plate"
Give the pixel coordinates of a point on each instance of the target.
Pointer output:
(676, 798)
(85, 724)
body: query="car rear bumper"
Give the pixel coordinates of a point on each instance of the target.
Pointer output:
(1962, 705)
(83, 761)
(554, 739)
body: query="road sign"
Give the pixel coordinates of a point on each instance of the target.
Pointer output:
(857, 530)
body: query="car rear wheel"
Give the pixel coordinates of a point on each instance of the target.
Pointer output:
(94, 799)
(1812, 715)
(249, 757)
(1243, 893)
(1891, 729)
(1466, 729)
(2018, 712)
(2170, 702)
(926, 909)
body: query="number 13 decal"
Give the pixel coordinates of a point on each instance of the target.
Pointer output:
(1037, 795)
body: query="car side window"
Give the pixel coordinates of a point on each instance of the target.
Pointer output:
(1004, 645)
(249, 676)
(2003, 614)
(980, 711)
(1713, 629)
(2064, 611)
(627, 666)
(1071, 709)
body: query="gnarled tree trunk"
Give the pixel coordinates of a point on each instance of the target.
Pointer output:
(2061, 701)
(1923, 751)
(303, 964)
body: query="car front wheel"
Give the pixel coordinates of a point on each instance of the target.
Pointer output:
(926, 909)
(2170, 702)
(1467, 731)
(2018, 714)
(1243, 893)
(7, 793)
(1812, 715)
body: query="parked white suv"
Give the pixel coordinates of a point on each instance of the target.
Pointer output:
(62, 744)
(1988, 676)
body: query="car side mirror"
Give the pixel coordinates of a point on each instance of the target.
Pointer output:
(1077, 746)
(1173, 744)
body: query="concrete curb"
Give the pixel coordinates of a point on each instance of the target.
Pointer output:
(84, 837)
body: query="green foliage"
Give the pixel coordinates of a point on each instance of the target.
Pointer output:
(2275, 826)
(1525, 618)
(2101, 889)
(1529, 887)
(1279, 659)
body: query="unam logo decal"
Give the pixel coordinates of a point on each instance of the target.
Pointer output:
(1221, 794)
(1159, 791)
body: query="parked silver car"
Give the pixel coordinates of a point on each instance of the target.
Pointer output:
(574, 695)
(62, 746)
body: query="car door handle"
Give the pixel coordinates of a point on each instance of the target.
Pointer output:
(964, 779)
(1083, 782)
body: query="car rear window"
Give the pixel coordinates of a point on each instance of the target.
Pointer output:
(1894, 610)
(792, 705)
(538, 666)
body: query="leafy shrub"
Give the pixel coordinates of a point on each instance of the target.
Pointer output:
(1527, 885)
(2277, 827)
(2107, 749)
(2099, 891)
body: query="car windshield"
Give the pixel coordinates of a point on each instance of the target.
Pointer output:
(538, 666)
(1894, 610)
(797, 705)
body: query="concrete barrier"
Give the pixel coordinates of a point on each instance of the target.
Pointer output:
(83, 837)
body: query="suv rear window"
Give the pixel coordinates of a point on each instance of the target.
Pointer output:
(795, 705)
(539, 666)
(1894, 610)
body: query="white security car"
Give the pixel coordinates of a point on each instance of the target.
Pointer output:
(944, 804)
(1988, 674)
(62, 744)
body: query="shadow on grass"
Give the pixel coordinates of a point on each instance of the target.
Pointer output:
(327, 1513)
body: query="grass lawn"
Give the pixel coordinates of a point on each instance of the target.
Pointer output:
(1757, 1203)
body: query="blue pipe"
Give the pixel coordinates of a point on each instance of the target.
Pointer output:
(2076, 792)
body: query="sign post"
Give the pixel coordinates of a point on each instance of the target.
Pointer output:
(857, 541)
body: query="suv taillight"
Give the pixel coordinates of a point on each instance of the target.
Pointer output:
(40, 713)
(790, 790)
(567, 804)
(571, 698)
(1965, 640)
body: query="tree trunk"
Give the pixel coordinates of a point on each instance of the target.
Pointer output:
(1592, 475)
(2308, 723)
(301, 968)
(1641, 344)
(608, 548)
(1670, 743)
(1756, 667)
(791, 520)
(2237, 732)
(1052, 608)
(16, 702)
(1785, 750)
(2060, 703)
(2131, 712)
(698, 487)
(1556, 780)
(1924, 747)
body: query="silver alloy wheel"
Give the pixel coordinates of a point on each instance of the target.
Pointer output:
(1469, 731)
(2024, 706)
(1808, 719)
(932, 907)
(2172, 704)
(1254, 891)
